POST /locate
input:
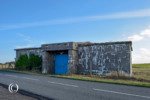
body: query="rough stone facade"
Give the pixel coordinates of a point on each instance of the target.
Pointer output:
(28, 51)
(86, 57)
(49, 51)
(104, 58)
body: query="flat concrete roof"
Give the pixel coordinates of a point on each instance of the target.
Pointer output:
(30, 48)
(56, 43)
(80, 44)
(106, 43)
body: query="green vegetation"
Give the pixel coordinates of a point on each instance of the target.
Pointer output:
(141, 76)
(22, 63)
(141, 71)
(105, 80)
(33, 62)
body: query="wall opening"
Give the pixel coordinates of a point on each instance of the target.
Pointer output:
(58, 61)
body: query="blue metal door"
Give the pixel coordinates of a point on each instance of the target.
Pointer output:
(61, 64)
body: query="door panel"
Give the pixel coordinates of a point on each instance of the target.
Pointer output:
(61, 64)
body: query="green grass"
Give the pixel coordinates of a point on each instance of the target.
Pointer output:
(141, 77)
(141, 71)
(105, 80)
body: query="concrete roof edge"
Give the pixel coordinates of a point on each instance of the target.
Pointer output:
(115, 42)
(106, 43)
(56, 43)
(28, 48)
(81, 44)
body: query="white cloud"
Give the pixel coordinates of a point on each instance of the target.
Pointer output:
(141, 47)
(24, 46)
(141, 55)
(119, 15)
(135, 38)
(146, 32)
(29, 41)
(141, 36)
(145, 52)
(25, 37)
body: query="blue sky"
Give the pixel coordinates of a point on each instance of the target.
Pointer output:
(30, 23)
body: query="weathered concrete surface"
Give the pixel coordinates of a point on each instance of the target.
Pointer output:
(59, 46)
(86, 57)
(28, 51)
(73, 61)
(46, 63)
(105, 58)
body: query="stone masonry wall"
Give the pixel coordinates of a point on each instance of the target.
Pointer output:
(36, 51)
(47, 62)
(86, 57)
(105, 58)
(72, 63)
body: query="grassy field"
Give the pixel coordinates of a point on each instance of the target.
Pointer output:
(141, 77)
(8, 65)
(141, 71)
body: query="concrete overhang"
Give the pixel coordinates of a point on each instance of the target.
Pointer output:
(59, 46)
(18, 49)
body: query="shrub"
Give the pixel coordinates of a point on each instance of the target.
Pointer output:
(22, 62)
(33, 62)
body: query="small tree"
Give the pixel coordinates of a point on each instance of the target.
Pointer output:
(22, 63)
(35, 62)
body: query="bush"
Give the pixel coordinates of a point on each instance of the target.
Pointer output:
(33, 62)
(22, 63)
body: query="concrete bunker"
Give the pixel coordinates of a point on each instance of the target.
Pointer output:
(83, 57)
(58, 58)
(56, 62)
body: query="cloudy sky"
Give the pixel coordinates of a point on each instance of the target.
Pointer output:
(30, 23)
